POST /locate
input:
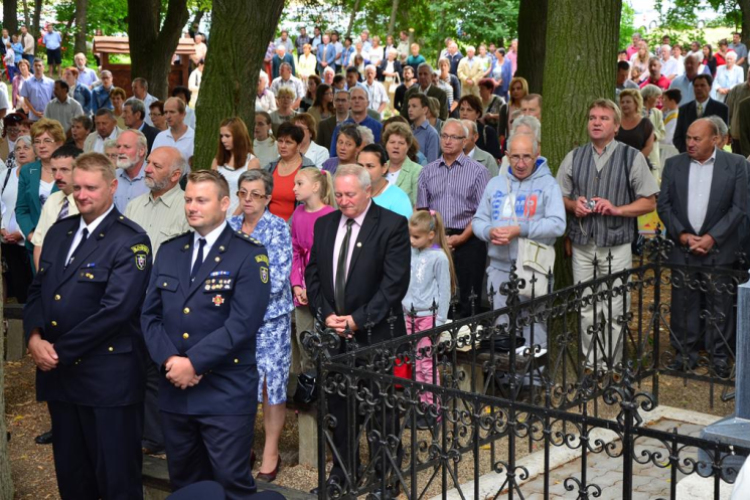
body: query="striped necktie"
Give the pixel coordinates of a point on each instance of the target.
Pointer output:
(65, 210)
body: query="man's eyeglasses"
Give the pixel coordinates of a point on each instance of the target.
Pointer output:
(515, 159)
(445, 137)
(252, 195)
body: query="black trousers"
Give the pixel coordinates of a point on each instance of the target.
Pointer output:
(702, 320)
(17, 271)
(97, 451)
(470, 261)
(153, 437)
(210, 448)
(346, 433)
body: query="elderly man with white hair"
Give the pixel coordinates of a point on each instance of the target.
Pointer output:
(470, 71)
(379, 99)
(453, 185)
(727, 76)
(265, 100)
(670, 67)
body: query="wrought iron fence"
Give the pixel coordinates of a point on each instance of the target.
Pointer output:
(437, 410)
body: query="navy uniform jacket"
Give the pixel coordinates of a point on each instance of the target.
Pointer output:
(90, 312)
(213, 321)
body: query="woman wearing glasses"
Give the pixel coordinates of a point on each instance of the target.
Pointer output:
(289, 139)
(11, 133)
(156, 113)
(36, 181)
(274, 339)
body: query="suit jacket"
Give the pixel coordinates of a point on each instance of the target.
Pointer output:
(88, 144)
(28, 205)
(213, 320)
(150, 133)
(325, 131)
(432, 91)
(409, 178)
(688, 113)
(378, 274)
(90, 310)
(743, 111)
(727, 207)
(475, 72)
(486, 159)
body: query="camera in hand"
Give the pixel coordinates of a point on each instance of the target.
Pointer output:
(590, 204)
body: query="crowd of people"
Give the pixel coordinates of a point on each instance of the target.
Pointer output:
(364, 162)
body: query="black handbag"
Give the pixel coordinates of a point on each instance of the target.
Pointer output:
(305, 395)
(503, 343)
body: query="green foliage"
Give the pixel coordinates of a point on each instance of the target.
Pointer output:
(627, 25)
(110, 16)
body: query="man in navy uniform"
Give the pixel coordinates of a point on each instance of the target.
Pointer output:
(205, 303)
(82, 326)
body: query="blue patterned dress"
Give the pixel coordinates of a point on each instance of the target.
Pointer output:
(274, 341)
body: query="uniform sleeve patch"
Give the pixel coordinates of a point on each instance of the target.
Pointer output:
(140, 248)
(264, 274)
(263, 258)
(141, 260)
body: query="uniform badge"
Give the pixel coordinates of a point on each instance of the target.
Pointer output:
(218, 300)
(140, 261)
(264, 274)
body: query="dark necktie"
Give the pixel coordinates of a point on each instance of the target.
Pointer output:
(84, 237)
(341, 268)
(65, 210)
(198, 259)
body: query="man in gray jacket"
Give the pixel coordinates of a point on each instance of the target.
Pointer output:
(524, 201)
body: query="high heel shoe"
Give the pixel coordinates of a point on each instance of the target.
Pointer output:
(270, 476)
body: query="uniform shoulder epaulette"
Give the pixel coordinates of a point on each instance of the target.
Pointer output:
(248, 238)
(175, 237)
(129, 223)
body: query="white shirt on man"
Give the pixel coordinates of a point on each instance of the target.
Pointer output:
(186, 142)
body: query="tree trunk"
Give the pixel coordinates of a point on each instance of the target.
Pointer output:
(351, 18)
(145, 35)
(392, 22)
(81, 12)
(26, 16)
(68, 26)
(240, 32)
(572, 81)
(6, 480)
(10, 16)
(36, 21)
(198, 18)
(745, 13)
(532, 31)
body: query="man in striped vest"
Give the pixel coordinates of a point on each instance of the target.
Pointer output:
(606, 185)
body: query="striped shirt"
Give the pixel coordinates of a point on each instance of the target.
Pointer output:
(455, 191)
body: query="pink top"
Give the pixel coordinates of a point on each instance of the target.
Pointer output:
(303, 224)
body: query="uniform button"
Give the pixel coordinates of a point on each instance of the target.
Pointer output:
(185, 335)
(111, 349)
(186, 310)
(236, 360)
(54, 323)
(57, 297)
(165, 284)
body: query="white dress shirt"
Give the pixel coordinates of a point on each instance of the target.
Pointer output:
(91, 228)
(700, 179)
(352, 239)
(210, 241)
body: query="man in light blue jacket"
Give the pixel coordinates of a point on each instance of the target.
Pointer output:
(523, 201)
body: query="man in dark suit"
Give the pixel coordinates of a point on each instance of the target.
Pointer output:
(358, 274)
(134, 114)
(702, 107)
(424, 78)
(205, 302)
(703, 204)
(83, 332)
